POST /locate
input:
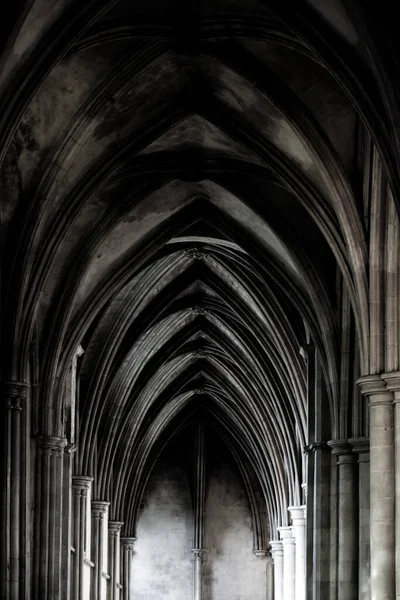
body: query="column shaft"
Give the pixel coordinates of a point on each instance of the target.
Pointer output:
(114, 541)
(361, 449)
(277, 555)
(392, 382)
(197, 573)
(14, 493)
(66, 523)
(289, 567)
(99, 510)
(49, 516)
(347, 520)
(299, 531)
(382, 490)
(80, 487)
(128, 548)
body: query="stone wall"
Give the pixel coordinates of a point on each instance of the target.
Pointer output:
(163, 568)
(231, 570)
(162, 563)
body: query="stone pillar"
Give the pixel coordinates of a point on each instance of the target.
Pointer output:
(14, 496)
(99, 511)
(114, 565)
(289, 566)
(49, 517)
(298, 514)
(198, 555)
(128, 550)
(392, 381)
(269, 574)
(67, 523)
(277, 556)
(382, 489)
(361, 449)
(80, 486)
(347, 520)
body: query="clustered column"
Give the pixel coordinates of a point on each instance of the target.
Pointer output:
(361, 449)
(128, 550)
(277, 556)
(13, 493)
(80, 487)
(289, 558)
(299, 531)
(392, 381)
(347, 520)
(114, 542)
(99, 511)
(199, 501)
(289, 573)
(49, 550)
(382, 491)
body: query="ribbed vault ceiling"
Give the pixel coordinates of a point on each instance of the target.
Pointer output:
(184, 174)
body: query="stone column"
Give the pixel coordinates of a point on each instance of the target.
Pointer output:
(289, 566)
(347, 520)
(269, 574)
(99, 511)
(382, 490)
(80, 486)
(128, 550)
(67, 523)
(14, 494)
(277, 556)
(49, 518)
(198, 555)
(114, 568)
(298, 514)
(361, 449)
(392, 381)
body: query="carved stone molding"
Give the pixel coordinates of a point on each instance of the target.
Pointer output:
(198, 553)
(196, 253)
(15, 394)
(200, 310)
(99, 508)
(81, 484)
(374, 387)
(128, 543)
(200, 352)
(114, 528)
(314, 446)
(260, 554)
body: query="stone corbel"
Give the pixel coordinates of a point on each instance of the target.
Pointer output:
(314, 446)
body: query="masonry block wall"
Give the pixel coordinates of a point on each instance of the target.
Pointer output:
(162, 567)
(163, 562)
(231, 570)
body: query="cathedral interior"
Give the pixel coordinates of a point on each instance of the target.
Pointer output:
(200, 211)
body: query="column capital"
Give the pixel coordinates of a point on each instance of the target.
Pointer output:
(343, 451)
(286, 534)
(99, 508)
(260, 553)
(276, 547)
(49, 444)
(392, 382)
(81, 484)
(360, 446)
(198, 553)
(15, 393)
(128, 543)
(298, 513)
(375, 389)
(114, 528)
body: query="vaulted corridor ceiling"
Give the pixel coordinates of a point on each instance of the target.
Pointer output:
(184, 208)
